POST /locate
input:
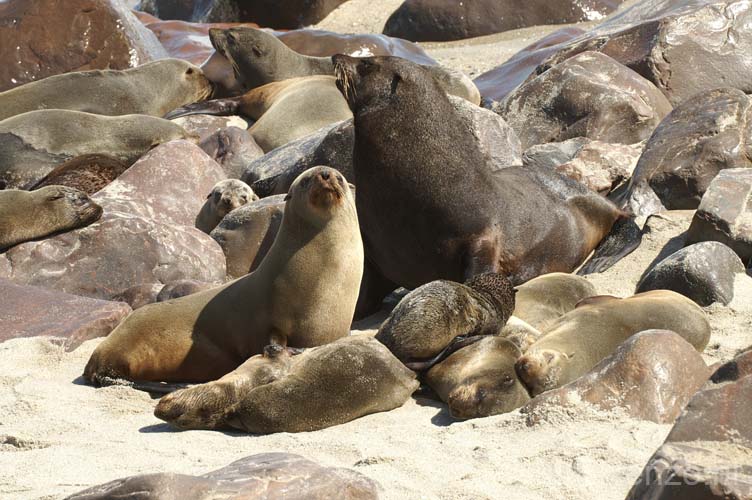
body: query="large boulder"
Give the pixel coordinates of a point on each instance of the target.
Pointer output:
(42, 38)
(589, 95)
(28, 311)
(442, 20)
(701, 137)
(725, 213)
(233, 148)
(267, 475)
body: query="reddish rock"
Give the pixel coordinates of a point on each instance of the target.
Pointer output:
(28, 311)
(41, 38)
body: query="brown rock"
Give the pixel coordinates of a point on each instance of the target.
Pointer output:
(267, 475)
(602, 166)
(41, 38)
(735, 369)
(28, 311)
(651, 376)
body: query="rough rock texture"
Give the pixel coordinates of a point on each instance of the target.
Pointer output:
(589, 95)
(704, 135)
(708, 454)
(41, 38)
(553, 154)
(267, 475)
(247, 233)
(704, 272)
(441, 20)
(602, 166)
(651, 376)
(203, 126)
(27, 311)
(233, 148)
(725, 213)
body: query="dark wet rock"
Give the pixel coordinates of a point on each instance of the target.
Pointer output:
(27, 311)
(42, 38)
(181, 288)
(267, 475)
(589, 95)
(703, 136)
(651, 376)
(204, 126)
(725, 213)
(233, 148)
(442, 20)
(704, 272)
(247, 233)
(739, 367)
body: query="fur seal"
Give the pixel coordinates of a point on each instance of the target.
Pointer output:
(88, 173)
(225, 196)
(430, 205)
(580, 339)
(431, 317)
(284, 111)
(302, 295)
(324, 386)
(479, 380)
(28, 215)
(233, 148)
(151, 89)
(258, 58)
(34, 143)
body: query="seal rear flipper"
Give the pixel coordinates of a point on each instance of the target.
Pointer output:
(217, 107)
(456, 344)
(624, 238)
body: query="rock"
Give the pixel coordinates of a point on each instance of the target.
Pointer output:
(140, 295)
(42, 38)
(181, 288)
(204, 126)
(739, 367)
(553, 154)
(247, 233)
(701, 137)
(233, 148)
(651, 376)
(589, 95)
(28, 311)
(704, 272)
(267, 475)
(707, 454)
(443, 20)
(725, 213)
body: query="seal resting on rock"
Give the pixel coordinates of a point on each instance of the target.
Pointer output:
(226, 196)
(430, 205)
(28, 215)
(302, 295)
(579, 340)
(322, 387)
(88, 173)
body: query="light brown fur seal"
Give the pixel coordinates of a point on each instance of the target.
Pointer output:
(28, 215)
(580, 339)
(302, 295)
(225, 196)
(544, 299)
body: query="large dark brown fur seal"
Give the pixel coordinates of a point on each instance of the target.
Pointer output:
(431, 207)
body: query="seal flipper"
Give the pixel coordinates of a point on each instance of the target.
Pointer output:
(217, 107)
(456, 344)
(624, 238)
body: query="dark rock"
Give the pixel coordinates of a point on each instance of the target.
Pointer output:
(704, 272)
(267, 475)
(651, 376)
(42, 38)
(589, 95)
(725, 213)
(703, 136)
(233, 148)
(442, 20)
(28, 311)
(181, 288)
(739, 367)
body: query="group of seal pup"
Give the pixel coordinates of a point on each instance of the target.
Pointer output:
(493, 318)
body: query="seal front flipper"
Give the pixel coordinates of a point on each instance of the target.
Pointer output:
(217, 107)
(624, 238)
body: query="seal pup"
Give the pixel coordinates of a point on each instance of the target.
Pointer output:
(430, 205)
(432, 316)
(150, 89)
(302, 295)
(479, 380)
(88, 173)
(284, 111)
(28, 215)
(258, 58)
(225, 196)
(324, 386)
(544, 299)
(582, 338)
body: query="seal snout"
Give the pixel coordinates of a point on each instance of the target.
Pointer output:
(326, 189)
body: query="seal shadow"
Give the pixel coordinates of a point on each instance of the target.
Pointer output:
(166, 428)
(443, 418)
(672, 246)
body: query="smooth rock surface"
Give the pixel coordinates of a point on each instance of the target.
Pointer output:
(233, 149)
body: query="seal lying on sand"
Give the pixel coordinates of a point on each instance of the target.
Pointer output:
(28, 215)
(579, 340)
(151, 89)
(322, 387)
(430, 205)
(302, 295)
(226, 196)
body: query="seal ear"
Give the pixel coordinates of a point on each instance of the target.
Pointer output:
(288, 196)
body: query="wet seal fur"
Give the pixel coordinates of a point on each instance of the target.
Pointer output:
(225, 196)
(302, 295)
(582, 338)
(28, 215)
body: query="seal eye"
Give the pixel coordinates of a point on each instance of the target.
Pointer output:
(257, 52)
(189, 71)
(56, 196)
